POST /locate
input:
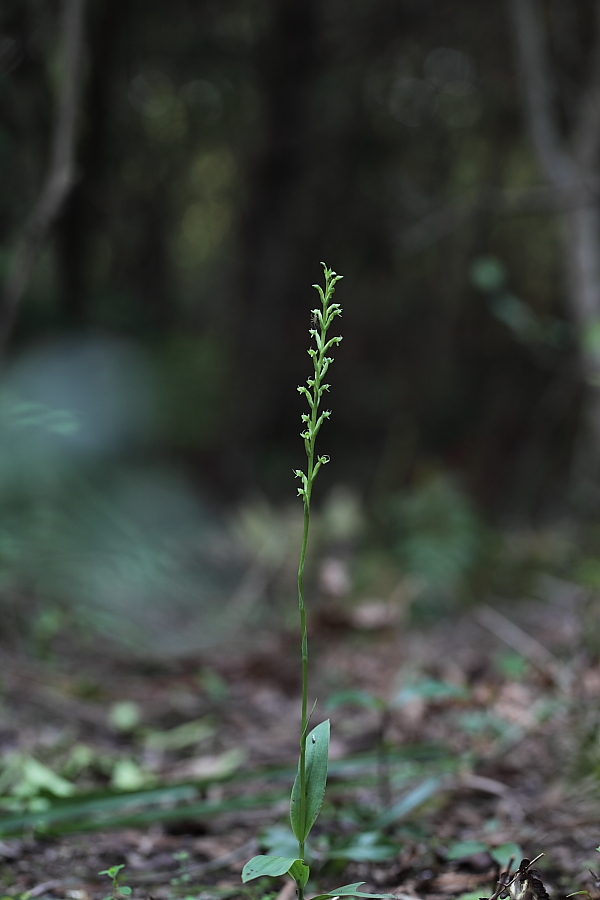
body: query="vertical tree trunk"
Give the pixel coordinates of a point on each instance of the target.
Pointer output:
(83, 214)
(61, 170)
(581, 239)
(569, 165)
(274, 228)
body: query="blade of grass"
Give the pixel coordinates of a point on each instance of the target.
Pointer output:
(410, 801)
(98, 807)
(59, 812)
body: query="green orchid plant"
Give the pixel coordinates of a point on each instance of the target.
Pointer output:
(308, 790)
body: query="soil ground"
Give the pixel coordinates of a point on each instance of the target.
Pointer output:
(500, 706)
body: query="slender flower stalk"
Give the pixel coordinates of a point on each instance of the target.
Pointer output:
(308, 790)
(313, 391)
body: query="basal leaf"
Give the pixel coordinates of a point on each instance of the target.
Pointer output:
(317, 752)
(268, 865)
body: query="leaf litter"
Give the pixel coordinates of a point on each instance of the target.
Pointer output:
(481, 743)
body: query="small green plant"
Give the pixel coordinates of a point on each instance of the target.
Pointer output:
(117, 890)
(183, 877)
(309, 786)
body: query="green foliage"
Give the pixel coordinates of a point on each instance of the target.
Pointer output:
(272, 866)
(28, 785)
(118, 890)
(429, 689)
(309, 785)
(186, 735)
(304, 815)
(512, 666)
(438, 541)
(87, 541)
(366, 846)
(124, 715)
(488, 273)
(355, 697)
(414, 798)
(501, 854)
(279, 841)
(90, 810)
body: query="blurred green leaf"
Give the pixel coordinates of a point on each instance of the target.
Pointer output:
(463, 849)
(186, 735)
(409, 802)
(511, 665)
(518, 317)
(503, 853)
(488, 273)
(127, 775)
(429, 689)
(124, 715)
(354, 697)
(591, 336)
(438, 537)
(370, 846)
(278, 840)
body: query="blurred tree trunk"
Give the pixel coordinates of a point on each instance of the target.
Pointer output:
(82, 215)
(274, 227)
(61, 174)
(570, 166)
(151, 275)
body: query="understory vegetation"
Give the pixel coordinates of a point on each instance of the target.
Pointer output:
(455, 748)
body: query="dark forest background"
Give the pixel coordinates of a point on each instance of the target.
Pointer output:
(156, 302)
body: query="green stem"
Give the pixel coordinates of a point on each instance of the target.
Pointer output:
(310, 474)
(304, 726)
(316, 386)
(304, 632)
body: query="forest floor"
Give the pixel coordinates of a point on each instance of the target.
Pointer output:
(452, 747)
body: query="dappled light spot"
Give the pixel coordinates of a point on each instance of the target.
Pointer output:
(203, 227)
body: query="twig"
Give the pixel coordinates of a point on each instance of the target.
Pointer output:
(523, 643)
(537, 199)
(525, 866)
(61, 173)
(503, 879)
(491, 786)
